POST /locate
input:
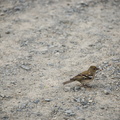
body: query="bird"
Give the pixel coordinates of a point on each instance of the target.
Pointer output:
(85, 77)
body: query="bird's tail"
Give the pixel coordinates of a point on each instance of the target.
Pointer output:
(67, 82)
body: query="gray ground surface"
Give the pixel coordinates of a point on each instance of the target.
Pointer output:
(46, 42)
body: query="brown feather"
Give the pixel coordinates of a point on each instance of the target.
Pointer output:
(85, 76)
(68, 82)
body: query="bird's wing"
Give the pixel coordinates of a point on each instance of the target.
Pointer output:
(86, 75)
(81, 76)
(77, 77)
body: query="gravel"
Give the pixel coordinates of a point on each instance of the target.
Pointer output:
(46, 42)
(69, 113)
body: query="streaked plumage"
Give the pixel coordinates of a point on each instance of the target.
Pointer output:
(84, 77)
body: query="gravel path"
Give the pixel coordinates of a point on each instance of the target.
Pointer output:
(46, 42)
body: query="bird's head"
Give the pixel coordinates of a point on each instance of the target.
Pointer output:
(93, 68)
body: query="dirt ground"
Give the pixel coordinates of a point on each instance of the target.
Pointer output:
(44, 43)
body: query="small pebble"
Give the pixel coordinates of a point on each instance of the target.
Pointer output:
(82, 88)
(77, 100)
(25, 67)
(36, 101)
(44, 50)
(22, 1)
(2, 95)
(5, 118)
(76, 88)
(85, 106)
(84, 3)
(102, 107)
(69, 113)
(48, 100)
(18, 8)
(110, 27)
(90, 101)
(107, 92)
(13, 82)
(7, 32)
(84, 102)
(2, 14)
(66, 89)
(23, 106)
(80, 118)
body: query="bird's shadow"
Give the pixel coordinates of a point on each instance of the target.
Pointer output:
(89, 87)
(94, 87)
(98, 86)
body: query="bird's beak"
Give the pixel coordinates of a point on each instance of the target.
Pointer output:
(97, 68)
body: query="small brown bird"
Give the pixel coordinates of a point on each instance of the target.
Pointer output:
(84, 77)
